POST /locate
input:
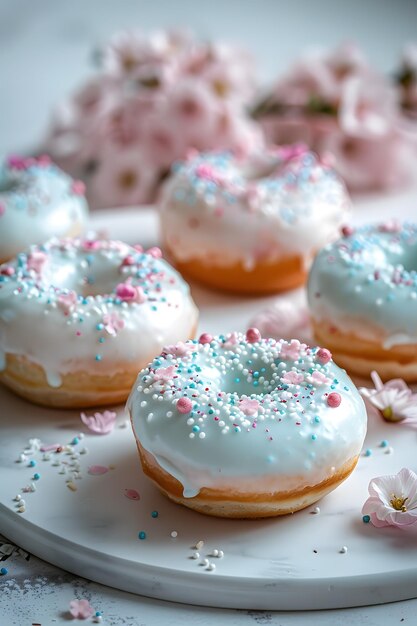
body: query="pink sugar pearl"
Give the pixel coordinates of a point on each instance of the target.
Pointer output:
(334, 399)
(205, 338)
(347, 231)
(253, 335)
(154, 252)
(184, 405)
(324, 355)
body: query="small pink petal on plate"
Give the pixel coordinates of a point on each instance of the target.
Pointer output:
(132, 494)
(97, 470)
(50, 447)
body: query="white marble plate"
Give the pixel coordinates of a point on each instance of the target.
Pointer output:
(288, 563)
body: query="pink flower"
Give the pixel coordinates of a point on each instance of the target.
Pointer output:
(67, 301)
(231, 341)
(113, 323)
(394, 400)
(283, 319)
(291, 350)
(81, 609)
(249, 407)
(292, 378)
(123, 177)
(78, 188)
(36, 261)
(318, 378)
(393, 500)
(129, 293)
(91, 244)
(164, 374)
(179, 349)
(100, 423)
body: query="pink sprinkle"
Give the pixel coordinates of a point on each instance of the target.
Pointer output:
(292, 378)
(165, 374)
(78, 188)
(128, 293)
(138, 247)
(44, 159)
(2, 209)
(7, 271)
(97, 470)
(392, 226)
(50, 447)
(205, 171)
(36, 261)
(91, 244)
(324, 355)
(154, 252)
(248, 406)
(205, 338)
(334, 399)
(128, 260)
(347, 231)
(253, 335)
(17, 163)
(67, 301)
(184, 405)
(132, 494)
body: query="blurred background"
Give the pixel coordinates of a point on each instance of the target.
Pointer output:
(46, 46)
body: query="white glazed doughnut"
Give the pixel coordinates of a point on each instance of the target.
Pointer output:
(237, 426)
(363, 299)
(37, 201)
(79, 318)
(252, 225)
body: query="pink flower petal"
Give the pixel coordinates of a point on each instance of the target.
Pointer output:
(81, 609)
(248, 406)
(100, 423)
(132, 494)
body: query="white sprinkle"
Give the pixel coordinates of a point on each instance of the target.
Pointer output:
(215, 552)
(389, 450)
(174, 534)
(84, 451)
(21, 509)
(202, 435)
(46, 457)
(210, 567)
(315, 511)
(343, 550)
(143, 403)
(220, 554)
(199, 545)
(18, 497)
(124, 424)
(22, 502)
(205, 562)
(195, 555)
(32, 487)
(80, 435)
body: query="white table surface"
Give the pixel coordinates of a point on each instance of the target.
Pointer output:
(44, 52)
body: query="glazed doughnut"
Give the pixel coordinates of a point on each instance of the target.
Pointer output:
(37, 201)
(251, 226)
(237, 426)
(79, 318)
(363, 300)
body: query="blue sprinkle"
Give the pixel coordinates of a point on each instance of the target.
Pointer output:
(196, 429)
(154, 514)
(384, 443)
(98, 614)
(142, 535)
(317, 419)
(32, 463)
(4, 571)
(75, 441)
(99, 326)
(36, 476)
(314, 437)
(237, 380)
(366, 519)
(98, 357)
(368, 452)
(101, 340)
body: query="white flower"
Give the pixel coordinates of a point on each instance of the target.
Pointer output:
(393, 500)
(394, 399)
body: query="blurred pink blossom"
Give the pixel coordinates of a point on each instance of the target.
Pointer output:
(335, 102)
(153, 98)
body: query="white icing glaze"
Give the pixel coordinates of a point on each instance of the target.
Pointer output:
(281, 203)
(37, 201)
(92, 305)
(245, 425)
